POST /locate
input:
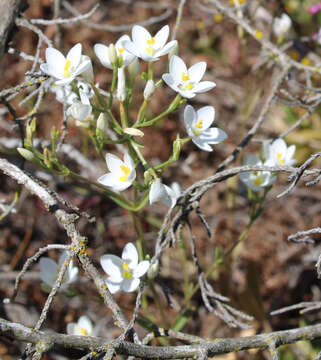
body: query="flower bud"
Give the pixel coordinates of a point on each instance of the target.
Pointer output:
(149, 89)
(27, 154)
(133, 132)
(153, 271)
(121, 85)
(133, 69)
(112, 54)
(102, 122)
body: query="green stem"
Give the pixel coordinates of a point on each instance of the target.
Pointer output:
(150, 70)
(112, 87)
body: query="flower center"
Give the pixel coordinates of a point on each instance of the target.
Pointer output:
(151, 41)
(67, 72)
(127, 273)
(199, 124)
(150, 49)
(121, 50)
(279, 157)
(126, 172)
(258, 181)
(83, 331)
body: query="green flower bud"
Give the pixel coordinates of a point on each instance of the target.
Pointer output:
(112, 54)
(102, 123)
(153, 271)
(27, 154)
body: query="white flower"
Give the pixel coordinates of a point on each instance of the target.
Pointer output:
(279, 154)
(102, 52)
(198, 127)
(81, 110)
(167, 195)
(281, 25)
(82, 327)
(49, 270)
(65, 69)
(121, 175)
(256, 180)
(147, 47)
(124, 272)
(187, 81)
(64, 93)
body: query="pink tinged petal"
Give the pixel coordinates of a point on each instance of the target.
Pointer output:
(161, 37)
(203, 145)
(71, 328)
(166, 49)
(130, 285)
(176, 68)
(141, 269)
(113, 287)
(48, 270)
(197, 71)
(189, 115)
(85, 323)
(130, 255)
(206, 114)
(204, 86)
(55, 62)
(111, 264)
(74, 55)
(101, 52)
(113, 163)
(131, 48)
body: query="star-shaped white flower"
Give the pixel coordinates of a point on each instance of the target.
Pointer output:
(49, 270)
(279, 154)
(185, 81)
(282, 25)
(125, 272)
(167, 195)
(198, 127)
(65, 69)
(256, 180)
(102, 52)
(148, 47)
(81, 110)
(83, 327)
(121, 175)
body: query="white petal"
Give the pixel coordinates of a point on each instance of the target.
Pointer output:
(48, 270)
(113, 287)
(120, 42)
(197, 71)
(140, 34)
(204, 86)
(111, 264)
(213, 135)
(85, 323)
(251, 159)
(83, 67)
(72, 274)
(128, 161)
(121, 186)
(130, 255)
(203, 145)
(189, 115)
(71, 328)
(141, 269)
(169, 80)
(166, 49)
(130, 285)
(65, 81)
(176, 68)
(74, 55)
(279, 146)
(131, 47)
(156, 191)
(108, 179)
(101, 52)
(113, 163)
(290, 152)
(56, 62)
(186, 93)
(206, 114)
(161, 37)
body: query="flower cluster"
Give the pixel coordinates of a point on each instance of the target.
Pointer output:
(275, 154)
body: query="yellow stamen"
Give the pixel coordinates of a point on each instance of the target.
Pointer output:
(151, 41)
(125, 266)
(199, 124)
(126, 172)
(121, 50)
(67, 72)
(185, 77)
(127, 274)
(258, 181)
(196, 132)
(83, 332)
(189, 86)
(279, 156)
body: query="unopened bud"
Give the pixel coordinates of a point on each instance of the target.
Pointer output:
(133, 69)
(102, 123)
(149, 89)
(148, 176)
(121, 85)
(112, 54)
(153, 271)
(27, 154)
(133, 132)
